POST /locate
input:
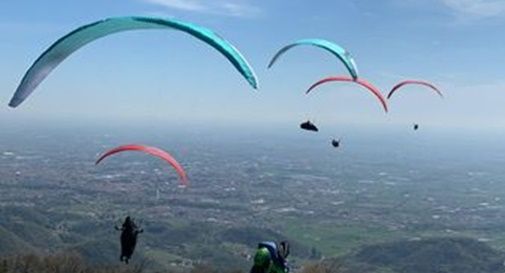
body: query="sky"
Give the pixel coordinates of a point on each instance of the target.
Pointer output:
(164, 76)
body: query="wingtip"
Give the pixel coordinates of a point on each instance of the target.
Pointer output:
(271, 63)
(13, 103)
(254, 84)
(385, 105)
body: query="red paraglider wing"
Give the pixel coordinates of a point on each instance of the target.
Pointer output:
(359, 81)
(149, 150)
(427, 84)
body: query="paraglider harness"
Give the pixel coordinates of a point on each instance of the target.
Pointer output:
(335, 143)
(309, 126)
(276, 259)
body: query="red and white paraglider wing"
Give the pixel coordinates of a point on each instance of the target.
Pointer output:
(374, 90)
(152, 151)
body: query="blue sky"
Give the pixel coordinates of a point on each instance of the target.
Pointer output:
(169, 77)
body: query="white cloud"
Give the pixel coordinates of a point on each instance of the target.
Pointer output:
(477, 9)
(189, 5)
(234, 8)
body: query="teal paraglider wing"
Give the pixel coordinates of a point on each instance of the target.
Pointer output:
(333, 48)
(76, 39)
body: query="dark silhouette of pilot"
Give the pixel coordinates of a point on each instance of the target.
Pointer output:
(129, 232)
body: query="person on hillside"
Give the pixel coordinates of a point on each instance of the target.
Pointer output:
(129, 233)
(271, 258)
